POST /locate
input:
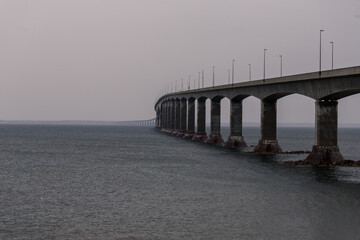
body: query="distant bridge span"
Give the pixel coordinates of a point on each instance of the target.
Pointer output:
(175, 112)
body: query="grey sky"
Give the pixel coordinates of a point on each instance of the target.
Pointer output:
(109, 59)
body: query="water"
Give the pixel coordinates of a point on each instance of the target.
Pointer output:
(110, 182)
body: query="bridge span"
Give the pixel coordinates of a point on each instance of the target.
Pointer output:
(175, 112)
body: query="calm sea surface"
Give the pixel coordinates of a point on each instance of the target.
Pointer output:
(111, 182)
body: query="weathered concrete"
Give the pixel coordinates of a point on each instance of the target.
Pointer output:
(171, 116)
(236, 138)
(201, 121)
(215, 136)
(268, 142)
(183, 108)
(326, 148)
(165, 116)
(177, 118)
(191, 119)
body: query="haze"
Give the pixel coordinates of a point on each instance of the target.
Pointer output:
(109, 60)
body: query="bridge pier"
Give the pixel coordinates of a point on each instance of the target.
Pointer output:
(201, 121)
(182, 118)
(168, 116)
(176, 128)
(191, 119)
(172, 116)
(236, 138)
(215, 136)
(268, 142)
(164, 117)
(326, 149)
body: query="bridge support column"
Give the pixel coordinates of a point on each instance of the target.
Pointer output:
(191, 119)
(176, 117)
(236, 138)
(171, 117)
(164, 117)
(182, 118)
(268, 142)
(215, 136)
(201, 121)
(326, 149)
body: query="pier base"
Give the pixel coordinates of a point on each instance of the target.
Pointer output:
(267, 146)
(236, 141)
(180, 133)
(175, 132)
(324, 155)
(200, 136)
(215, 139)
(189, 135)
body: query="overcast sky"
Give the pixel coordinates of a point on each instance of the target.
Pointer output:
(110, 59)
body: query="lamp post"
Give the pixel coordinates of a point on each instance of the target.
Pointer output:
(249, 72)
(264, 64)
(229, 75)
(182, 84)
(213, 76)
(233, 69)
(332, 55)
(202, 77)
(320, 52)
(280, 65)
(199, 80)
(189, 82)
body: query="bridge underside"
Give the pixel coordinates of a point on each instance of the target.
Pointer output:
(176, 111)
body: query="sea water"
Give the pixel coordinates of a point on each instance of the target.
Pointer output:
(114, 182)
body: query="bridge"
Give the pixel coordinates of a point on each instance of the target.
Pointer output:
(147, 122)
(175, 112)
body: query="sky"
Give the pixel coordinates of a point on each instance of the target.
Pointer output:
(109, 60)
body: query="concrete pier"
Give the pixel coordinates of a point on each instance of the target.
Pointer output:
(165, 116)
(183, 108)
(191, 119)
(215, 136)
(201, 121)
(171, 117)
(176, 118)
(236, 138)
(326, 149)
(268, 142)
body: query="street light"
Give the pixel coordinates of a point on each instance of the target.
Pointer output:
(332, 55)
(202, 77)
(182, 84)
(199, 80)
(264, 64)
(233, 67)
(249, 72)
(229, 75)
(213, 76)
(320, 52)
(189, 82)
(280, 65)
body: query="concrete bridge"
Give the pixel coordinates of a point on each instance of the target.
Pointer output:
(175, 112)
(147, 122)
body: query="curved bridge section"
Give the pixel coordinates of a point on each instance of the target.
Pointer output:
(175, 112)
